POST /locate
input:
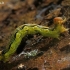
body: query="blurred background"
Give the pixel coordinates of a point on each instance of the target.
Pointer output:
(56, 53)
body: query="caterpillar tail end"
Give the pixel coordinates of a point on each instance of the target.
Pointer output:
(3, 59)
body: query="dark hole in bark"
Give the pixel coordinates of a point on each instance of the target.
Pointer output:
(68, 68)
(33, 69)
(66, 49)
(23, 43)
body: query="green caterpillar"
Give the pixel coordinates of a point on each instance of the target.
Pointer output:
(32, 29)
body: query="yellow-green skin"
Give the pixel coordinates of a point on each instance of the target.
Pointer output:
(27, 29)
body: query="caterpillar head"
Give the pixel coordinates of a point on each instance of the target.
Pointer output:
(59, 22)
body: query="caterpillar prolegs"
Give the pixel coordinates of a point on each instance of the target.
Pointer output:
(32, 29)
